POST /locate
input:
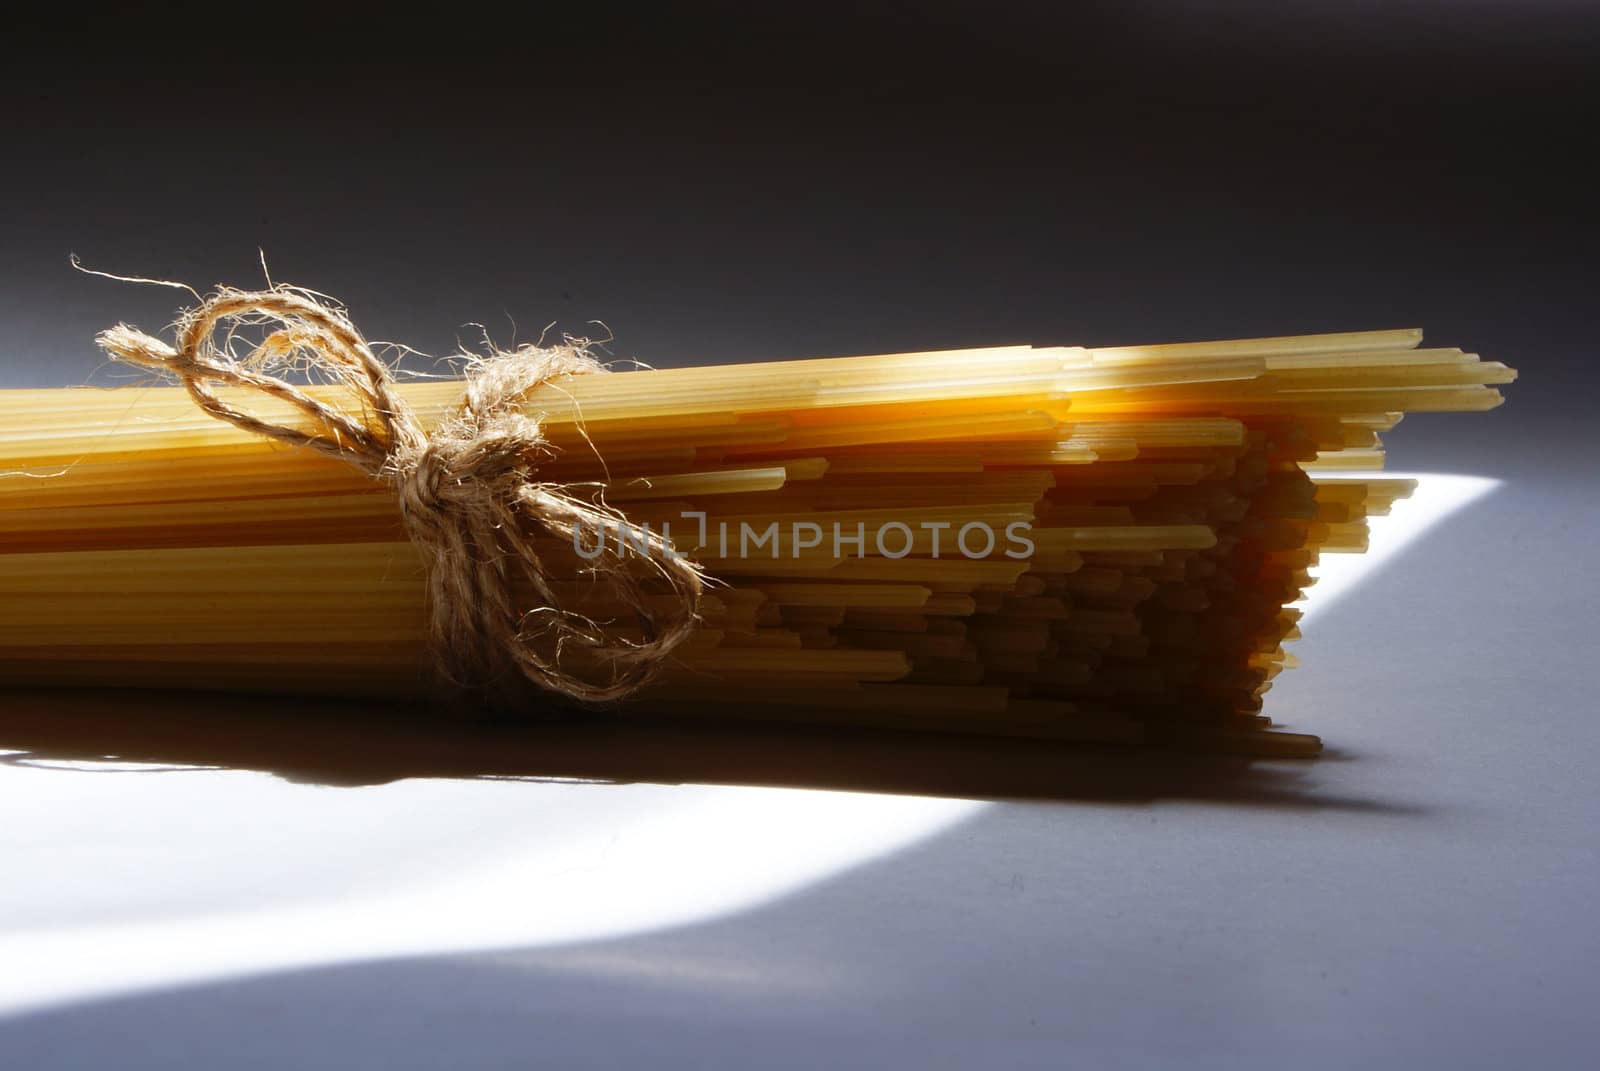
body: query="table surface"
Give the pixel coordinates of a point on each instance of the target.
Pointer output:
(255, 884)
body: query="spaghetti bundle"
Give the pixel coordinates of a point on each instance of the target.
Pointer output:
(1061, 542)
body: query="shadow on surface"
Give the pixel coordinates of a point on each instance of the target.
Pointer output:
(350, 744)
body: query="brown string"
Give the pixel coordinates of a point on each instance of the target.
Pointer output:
(469, 492)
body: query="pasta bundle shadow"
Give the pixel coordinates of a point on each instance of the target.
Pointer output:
(346, 743)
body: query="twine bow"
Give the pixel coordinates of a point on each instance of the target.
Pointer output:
(469, 493)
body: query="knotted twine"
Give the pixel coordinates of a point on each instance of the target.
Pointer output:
(470, 497)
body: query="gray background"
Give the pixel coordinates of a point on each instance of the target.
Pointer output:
(722, 186)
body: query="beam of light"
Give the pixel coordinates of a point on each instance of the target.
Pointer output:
(524, 865)
(1437, 496)
(121, 884)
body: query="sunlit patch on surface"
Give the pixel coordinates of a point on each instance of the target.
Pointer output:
(1437, 496)
(167, 881)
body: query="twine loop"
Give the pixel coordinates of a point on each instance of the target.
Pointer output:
(468, 491)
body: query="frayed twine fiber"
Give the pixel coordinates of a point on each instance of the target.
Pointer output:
(469, 492)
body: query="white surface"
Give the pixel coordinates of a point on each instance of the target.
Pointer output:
(126, 880)
(1422, 896)
(123, 878)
